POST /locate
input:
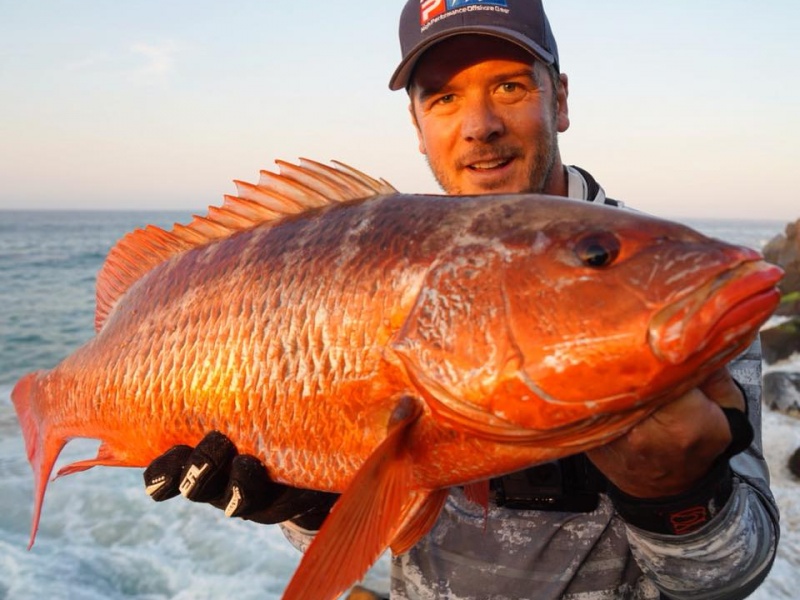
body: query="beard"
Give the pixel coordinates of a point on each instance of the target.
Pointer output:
(543, 156)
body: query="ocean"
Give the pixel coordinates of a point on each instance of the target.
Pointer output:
(101, 537)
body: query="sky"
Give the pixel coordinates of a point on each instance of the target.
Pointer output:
(687, 108)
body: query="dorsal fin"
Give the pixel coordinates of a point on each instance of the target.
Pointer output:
(294, 189)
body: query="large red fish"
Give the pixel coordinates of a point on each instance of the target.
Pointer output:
(390, 346)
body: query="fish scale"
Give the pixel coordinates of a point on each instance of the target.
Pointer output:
(391, 346)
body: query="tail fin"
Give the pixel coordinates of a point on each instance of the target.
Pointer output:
(43, 449)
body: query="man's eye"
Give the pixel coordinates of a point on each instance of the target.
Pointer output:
(512, 87)
(510, 91)
(446, 99)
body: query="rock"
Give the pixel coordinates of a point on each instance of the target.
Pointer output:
(782, 392)
(784, 251)
(781, 341)
(794, 463)
(790, 305)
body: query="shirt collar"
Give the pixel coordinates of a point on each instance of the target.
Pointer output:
(578, 187)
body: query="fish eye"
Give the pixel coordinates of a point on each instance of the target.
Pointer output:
(598, 250)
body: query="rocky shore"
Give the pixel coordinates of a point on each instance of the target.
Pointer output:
(780, 339)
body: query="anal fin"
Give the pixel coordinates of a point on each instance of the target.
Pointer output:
(106, 457)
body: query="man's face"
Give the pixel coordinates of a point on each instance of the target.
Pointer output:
(487, 117)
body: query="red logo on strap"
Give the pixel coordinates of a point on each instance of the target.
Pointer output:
(688, 519)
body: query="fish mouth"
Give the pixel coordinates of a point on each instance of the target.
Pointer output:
(717, 315)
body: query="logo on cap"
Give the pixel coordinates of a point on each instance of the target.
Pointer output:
(430, 9)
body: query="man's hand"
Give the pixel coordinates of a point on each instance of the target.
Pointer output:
(214, 472)
(675, 447)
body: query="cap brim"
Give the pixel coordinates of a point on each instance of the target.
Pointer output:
(402, 74)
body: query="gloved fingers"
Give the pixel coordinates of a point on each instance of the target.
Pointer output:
(205, 476)
(250, 489)
(310, 507)
(163, 476)
(254, 496)
(307, 508)
(216, 473)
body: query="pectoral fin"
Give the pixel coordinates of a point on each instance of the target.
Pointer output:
(371, 512)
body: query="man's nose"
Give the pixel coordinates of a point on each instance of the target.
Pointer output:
(481, 121)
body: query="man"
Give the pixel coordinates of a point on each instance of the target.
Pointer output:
(665, 511)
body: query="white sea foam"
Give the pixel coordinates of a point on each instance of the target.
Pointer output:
(102, 538)
(781, 439)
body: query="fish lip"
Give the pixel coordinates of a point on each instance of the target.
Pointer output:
(727, 306)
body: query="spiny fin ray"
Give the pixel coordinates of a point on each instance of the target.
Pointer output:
(295, 189)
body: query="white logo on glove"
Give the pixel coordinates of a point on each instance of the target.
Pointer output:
(191, 479)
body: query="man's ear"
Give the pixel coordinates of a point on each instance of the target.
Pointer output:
(562, 93)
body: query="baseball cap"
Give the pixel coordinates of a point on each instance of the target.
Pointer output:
(423, 23)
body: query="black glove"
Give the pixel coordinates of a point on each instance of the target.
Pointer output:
(214, 472)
